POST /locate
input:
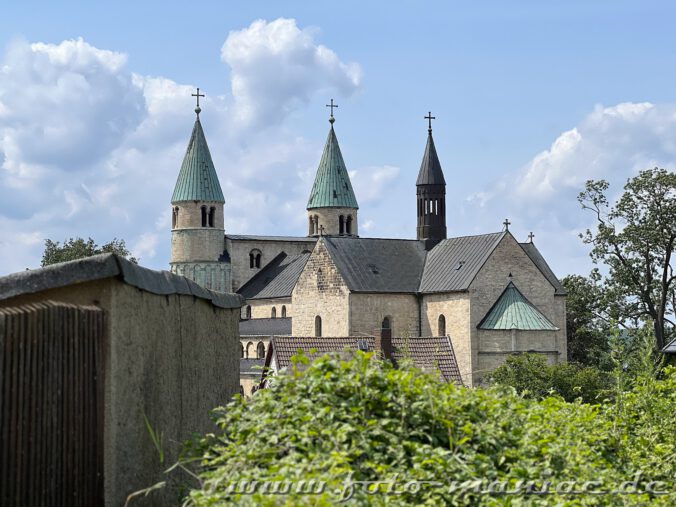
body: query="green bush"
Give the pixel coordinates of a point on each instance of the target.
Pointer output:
(338, 421)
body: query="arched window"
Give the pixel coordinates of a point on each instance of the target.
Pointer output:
(174, 218)
(387, 323)
(283, 311)
(273, 313)
(260, 350)
(212, 216)
(318, 326)
(348, 224)
(204, 216)
(255, 259)
(248, 311)
(242, 351)
(316, 224)
(250, 350)
(258, 260)
(341, 224)
(442, 325)
(311, 226)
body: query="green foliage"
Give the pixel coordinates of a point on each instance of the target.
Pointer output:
(531, 376)
(338, 421)
(635, 239)
(78, 248)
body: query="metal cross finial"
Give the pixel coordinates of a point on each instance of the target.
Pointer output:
(429, 118)
(332, 105)
(198, 95)
(530, 237)
(507, 223)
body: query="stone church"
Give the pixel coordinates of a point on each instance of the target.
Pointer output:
(491, 294)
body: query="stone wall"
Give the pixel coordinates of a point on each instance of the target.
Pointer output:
(210, 275)
(329, 218)
(195, 245)
(249, 345)
(320, 291)
(488, 285)
(262, 308)
(367, 312)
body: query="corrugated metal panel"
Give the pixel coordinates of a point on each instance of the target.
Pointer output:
(453, 263)
(544, 268)
(332, 187)
(430, 168)
(197, 180)
(513, 311)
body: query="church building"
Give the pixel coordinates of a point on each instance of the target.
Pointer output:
(491, 294)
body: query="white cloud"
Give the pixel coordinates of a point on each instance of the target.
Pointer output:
(371, 183)
(276, 66)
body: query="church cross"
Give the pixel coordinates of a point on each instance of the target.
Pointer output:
(332, 105)
(507, 223)
(198, 95)
(531, 236)
(429, 119)
(321, 230)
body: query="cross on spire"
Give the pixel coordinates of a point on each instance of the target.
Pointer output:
(198, 109)
(429, 118)
(332, 105)
(530, 237)
(507, 223)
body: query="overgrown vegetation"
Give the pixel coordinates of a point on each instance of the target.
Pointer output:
(338, 422)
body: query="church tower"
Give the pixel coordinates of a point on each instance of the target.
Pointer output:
(431, 195)
(332, 207)
(197, 223)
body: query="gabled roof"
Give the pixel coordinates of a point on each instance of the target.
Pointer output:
(197, 180)
(277, 279)
(427, 353)
(378, 265)
(332, 187)
(265, 327)
(544, 268)
(513, 311)
(430, 169)
(454, 262)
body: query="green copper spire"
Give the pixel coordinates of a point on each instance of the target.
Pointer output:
(197, 180)
(513, 311)
(332, 187)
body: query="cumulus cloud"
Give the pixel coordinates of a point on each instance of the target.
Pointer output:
(275, 66)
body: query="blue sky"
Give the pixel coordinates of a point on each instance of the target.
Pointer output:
(532, 98)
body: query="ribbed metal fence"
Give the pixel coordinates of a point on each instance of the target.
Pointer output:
(50, 405)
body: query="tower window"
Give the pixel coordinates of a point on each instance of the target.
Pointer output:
(204, 216)
(348, 224)
(255, 259)
(341, 224)
(318, 326)
(258, 260)
(387, 323)
(212, 215)
(442, 325)
(174, 218)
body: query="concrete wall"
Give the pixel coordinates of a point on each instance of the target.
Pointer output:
(329, 219)
(239, 255)
(367, 312)
(321, 291)
(171, 358)
(490, 282)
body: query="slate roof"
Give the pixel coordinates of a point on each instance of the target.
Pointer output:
(430, 168)
(427, 353)
(378, 265)
(251, 366)
(244, 237)
(277, 279)
(332, 187)
(513, 311)
(265, 327)
(197, 180)
(544, 268)
(110, 265)
(454, 262)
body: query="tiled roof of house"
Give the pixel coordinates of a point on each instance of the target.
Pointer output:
(277, 279)
(427, 353)
(265, 327)
(513, 311)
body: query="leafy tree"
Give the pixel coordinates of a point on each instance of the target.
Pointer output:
(635, 239)
(77, 248)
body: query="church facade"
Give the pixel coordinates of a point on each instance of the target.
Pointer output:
(492, 295)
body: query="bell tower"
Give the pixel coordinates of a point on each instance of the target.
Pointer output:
(431, 195)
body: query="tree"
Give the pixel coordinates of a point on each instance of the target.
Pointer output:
(635, 240)
(77, 248)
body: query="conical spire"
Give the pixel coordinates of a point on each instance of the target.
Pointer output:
(430, 169)
(197, 180)
(332, 187)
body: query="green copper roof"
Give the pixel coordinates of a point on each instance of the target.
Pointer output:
(332, 187)
(197, 180)
(513, 311)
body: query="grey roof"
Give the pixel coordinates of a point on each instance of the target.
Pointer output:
(430, 168)
(378, 265)
(244, 237)
(277, 279)
(544, 268)
(670, 348)
(265, 327)
(427, 353)
(109, 265)
(453, 263)
(251, 366)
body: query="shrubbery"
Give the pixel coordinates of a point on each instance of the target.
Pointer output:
(341, 421)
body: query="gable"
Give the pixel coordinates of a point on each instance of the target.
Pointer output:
(513, 311)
